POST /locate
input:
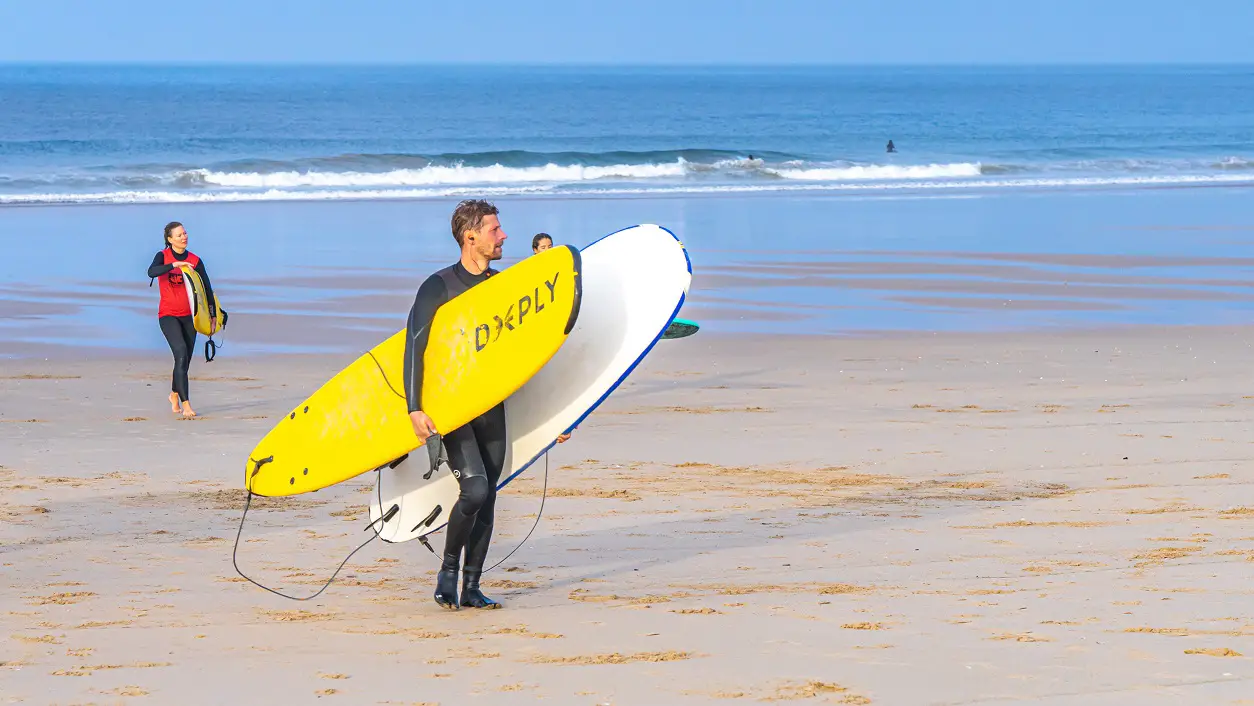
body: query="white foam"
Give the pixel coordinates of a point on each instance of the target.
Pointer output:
(876, 172)
(269, 195)
(455, 175)
(1235, 163)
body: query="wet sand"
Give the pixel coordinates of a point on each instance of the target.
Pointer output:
(335, 277)
(352, 308)
(907, 519)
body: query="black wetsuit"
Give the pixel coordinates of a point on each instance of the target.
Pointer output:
(476, 451)
(179, 331)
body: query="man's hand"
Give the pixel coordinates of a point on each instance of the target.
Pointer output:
(423, 426)
(563, 438)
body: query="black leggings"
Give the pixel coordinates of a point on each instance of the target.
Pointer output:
(477, 452)
(181, 335)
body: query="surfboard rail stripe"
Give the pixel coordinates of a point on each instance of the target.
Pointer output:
(634, 364)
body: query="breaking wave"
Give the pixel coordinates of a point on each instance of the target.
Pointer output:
(696, 171)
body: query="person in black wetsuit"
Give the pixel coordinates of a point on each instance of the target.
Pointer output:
(476, 451)
(174, 314)
(540, 243)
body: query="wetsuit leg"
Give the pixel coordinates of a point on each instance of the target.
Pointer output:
(477, 452)
(467, 462)
(175, 335)
(490, 434)
(189, 336)
(465, 458)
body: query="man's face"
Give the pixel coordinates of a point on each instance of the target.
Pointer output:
(489, 238)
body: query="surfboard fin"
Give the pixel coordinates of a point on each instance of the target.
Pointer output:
(390, 513)
(429, 518)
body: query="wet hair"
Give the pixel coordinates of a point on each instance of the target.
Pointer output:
(469, 215)
(535, 242)
(169, 228)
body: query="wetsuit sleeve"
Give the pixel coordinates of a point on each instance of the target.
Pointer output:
(204, 277)
(158, 266)
(431, 295)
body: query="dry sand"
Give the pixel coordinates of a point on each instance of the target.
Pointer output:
(1059, 519)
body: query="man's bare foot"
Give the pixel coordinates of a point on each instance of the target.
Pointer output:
(188, 412)
(174, 403)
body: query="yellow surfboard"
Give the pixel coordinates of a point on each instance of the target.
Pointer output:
(201, 320)
(483, 346)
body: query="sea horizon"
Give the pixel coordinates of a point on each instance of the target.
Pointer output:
(122, 133)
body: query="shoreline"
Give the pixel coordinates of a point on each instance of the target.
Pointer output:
(39, 353)
(871, 191)
(297, 277)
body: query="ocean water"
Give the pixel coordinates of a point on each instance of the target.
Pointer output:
(1019, 199)
(187, 134)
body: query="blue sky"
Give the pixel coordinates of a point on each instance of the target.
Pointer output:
(630, 32)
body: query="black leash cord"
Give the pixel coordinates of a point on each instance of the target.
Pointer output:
(234, 561)
(543, 494)
(385, 376)
(435, 466)
(212, 346)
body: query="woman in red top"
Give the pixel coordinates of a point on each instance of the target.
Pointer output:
(175, 313)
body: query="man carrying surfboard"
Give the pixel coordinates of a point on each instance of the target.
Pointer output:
(476, 451)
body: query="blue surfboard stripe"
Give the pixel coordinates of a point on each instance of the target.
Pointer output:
(630, 369)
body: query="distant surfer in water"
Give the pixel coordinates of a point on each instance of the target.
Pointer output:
(891, 146)
(174, 314)
(476, 451)
(540, 243)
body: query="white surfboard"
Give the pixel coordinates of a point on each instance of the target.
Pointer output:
(634, 283)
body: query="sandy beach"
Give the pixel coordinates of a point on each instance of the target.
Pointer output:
(952, 518)
(967, 421)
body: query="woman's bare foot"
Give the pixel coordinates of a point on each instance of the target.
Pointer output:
(174, 403)
(188, 412)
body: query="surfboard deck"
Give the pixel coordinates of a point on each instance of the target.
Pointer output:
(483, 345)
(635, 281)
(196, 297)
